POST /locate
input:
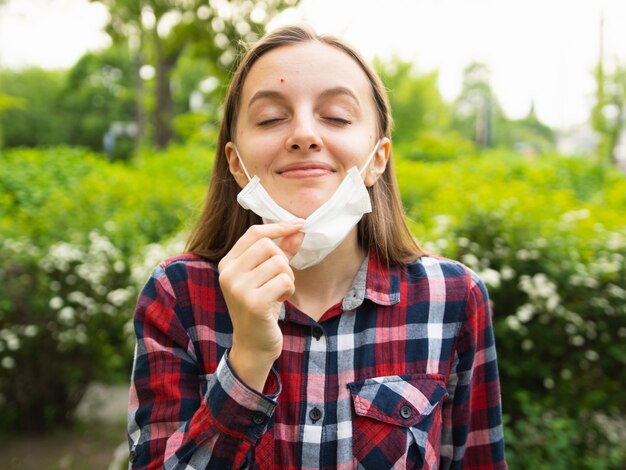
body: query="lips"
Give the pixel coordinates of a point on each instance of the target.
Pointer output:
(306, 170)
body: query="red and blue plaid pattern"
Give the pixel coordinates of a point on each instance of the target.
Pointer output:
(401, 374)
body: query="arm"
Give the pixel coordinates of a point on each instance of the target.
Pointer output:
(473, 436)
(171, 423)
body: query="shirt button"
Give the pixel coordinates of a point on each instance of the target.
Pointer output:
(317, 332)
(406, 412)
(258, 418)
(315, 414)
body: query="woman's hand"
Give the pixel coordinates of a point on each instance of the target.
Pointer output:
(255, 278)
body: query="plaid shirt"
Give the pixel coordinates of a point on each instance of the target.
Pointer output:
(401, 374)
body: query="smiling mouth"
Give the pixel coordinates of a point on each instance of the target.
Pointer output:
(306, 171)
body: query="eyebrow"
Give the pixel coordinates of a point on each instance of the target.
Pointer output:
(338, 91)
(265, 94)
(329, 93)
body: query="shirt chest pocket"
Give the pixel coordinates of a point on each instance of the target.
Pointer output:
(397, 421)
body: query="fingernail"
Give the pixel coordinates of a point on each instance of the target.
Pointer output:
(297, 222)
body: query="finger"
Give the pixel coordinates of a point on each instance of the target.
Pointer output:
(256, 232)
(269, 269)
(290, 244)
(280, 287)
(257, 254)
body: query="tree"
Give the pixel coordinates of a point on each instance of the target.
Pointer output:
(159, 31)
(476, 108)
(415, 99)
(33, 117)
(99, 91)
(478, 116)
(608, 115)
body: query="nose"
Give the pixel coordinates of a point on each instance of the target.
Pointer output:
(304, 136)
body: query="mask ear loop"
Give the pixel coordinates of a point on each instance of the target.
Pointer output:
(241, 162)
(369, 159)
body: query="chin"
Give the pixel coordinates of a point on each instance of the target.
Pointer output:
(304, 205)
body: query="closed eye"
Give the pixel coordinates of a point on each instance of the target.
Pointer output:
(269, 122)
(338, 121)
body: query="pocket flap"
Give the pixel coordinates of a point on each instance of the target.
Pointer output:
(403, 400)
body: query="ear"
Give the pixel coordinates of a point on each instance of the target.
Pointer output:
(379, 162)
(234, 165)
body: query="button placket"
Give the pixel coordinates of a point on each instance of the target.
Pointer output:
(259, 418)
(315, 414)
(317, 332)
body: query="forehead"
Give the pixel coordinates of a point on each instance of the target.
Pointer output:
(307, 67)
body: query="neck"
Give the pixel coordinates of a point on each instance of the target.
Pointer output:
(321, 286)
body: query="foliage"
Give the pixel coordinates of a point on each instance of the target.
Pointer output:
(73, 107)
(478, 116)
(608, 116)
(416, 104)
(545, 233)
(31, 115)
(73, 259)
(161, 31)
(547, 236)
(545, 439)
(98, 91)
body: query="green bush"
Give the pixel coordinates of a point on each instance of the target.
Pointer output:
(549, 238)
(74, 234)
(79, 235)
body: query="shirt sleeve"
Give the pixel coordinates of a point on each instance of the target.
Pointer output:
(171, 422)
(473, 435)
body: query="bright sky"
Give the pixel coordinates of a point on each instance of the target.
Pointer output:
(538, 50)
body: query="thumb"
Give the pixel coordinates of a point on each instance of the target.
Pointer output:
(290, 244)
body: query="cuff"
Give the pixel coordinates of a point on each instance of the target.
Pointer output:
(240, 409)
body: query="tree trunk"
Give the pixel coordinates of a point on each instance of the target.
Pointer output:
(140, 91)
(164, 110)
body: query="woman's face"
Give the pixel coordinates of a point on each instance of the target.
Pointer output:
(306, 117)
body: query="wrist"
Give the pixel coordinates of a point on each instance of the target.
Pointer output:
(250, 367)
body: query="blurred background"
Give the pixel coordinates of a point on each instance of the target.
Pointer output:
(510, 151)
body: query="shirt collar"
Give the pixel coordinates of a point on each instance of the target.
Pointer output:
(375, 281)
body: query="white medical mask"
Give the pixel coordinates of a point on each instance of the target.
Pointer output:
(325, 228)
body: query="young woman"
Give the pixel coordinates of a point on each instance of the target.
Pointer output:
(305, 328)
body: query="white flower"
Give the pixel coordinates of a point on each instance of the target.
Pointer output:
(154, 253)
(31, 331)
(119, 297)
(463, 242)
(470, 260)
(55, 303)
(13, 342)
(491, 277)
(119, 266)
(525, 313)
(527, 344)
(109, 309)
(573, 216)
(8, 362)
(67, 314)
(513, 323)
(507, 273)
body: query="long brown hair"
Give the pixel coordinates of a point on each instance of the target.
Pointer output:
(223, 221)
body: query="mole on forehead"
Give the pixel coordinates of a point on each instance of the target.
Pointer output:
(282, 80)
